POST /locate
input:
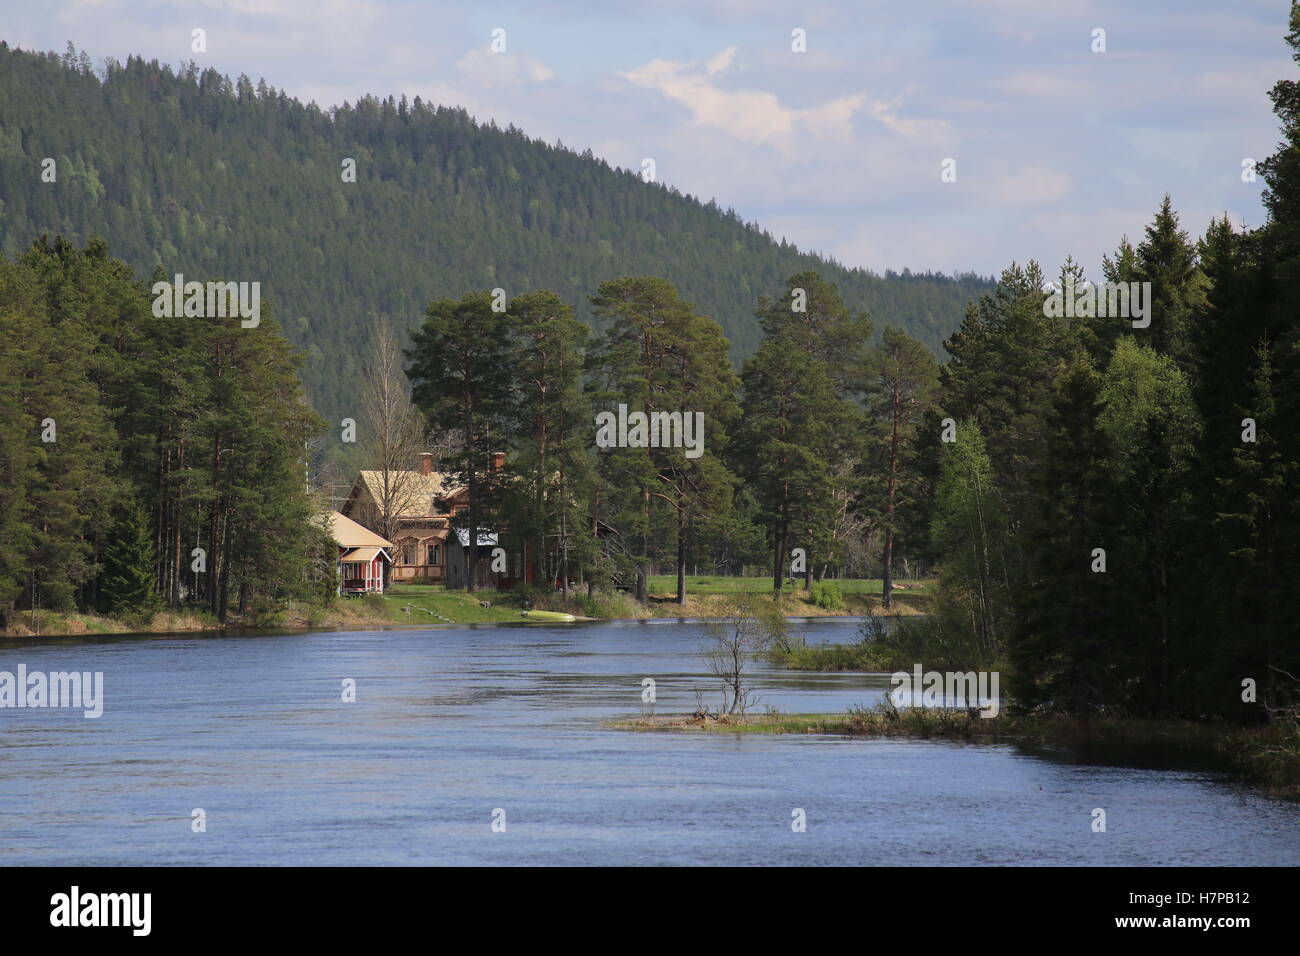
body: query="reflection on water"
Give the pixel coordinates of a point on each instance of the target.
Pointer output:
(450, 724)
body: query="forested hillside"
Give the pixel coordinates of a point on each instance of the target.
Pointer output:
(214, 178)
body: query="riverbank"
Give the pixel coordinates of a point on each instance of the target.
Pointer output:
(433, 604)
(343, 613)
(1267, 756)
(397, 607)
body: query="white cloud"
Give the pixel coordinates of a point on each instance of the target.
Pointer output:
(1041, 84)
(720, 61)
(1029, 185)
(758, 117)
(487, 69)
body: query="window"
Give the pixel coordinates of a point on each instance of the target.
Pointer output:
(434, 557)
(408, 554)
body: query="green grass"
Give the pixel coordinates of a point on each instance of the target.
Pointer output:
(662, 584)
(856, 596)
(799, 655)
(458, 607)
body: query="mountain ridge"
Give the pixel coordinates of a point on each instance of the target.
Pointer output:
(192, 172)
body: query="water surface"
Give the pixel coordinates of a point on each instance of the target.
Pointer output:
(452, 724)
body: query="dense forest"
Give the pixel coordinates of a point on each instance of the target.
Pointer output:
(222, 178)
(146, 462)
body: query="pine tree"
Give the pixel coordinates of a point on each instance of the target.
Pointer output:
(551, 428)
(785, 431)
(799, 418)
(126, 585)
(1068, 652)
(658, 355)
(900, 381)
(1167, 260)
(1150, 424)
(460, 368)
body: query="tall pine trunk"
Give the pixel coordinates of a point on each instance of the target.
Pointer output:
(778, 557)
(643, 549)
(471, 552)
(887, 586)
(681, 556)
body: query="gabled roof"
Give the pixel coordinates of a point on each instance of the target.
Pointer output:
(363, 555)
(414, 490)
(348, 534)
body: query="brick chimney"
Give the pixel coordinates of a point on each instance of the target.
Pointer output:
(498, 460)
(426, 462)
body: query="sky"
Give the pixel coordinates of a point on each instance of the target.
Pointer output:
(1058, 148)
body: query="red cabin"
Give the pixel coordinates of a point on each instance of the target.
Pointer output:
(362, 554)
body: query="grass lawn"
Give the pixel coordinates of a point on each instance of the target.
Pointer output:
(434, 604)
(861, 595)
(713, 584)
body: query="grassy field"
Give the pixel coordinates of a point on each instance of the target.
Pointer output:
(433, 604)
(664, 584)
(706, 595)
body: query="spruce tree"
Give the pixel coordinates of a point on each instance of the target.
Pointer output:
(126, 586)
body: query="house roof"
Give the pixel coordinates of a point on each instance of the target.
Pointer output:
(363, 555)
(348, 534)
(413, 490)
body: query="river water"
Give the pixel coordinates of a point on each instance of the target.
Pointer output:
(454, 727)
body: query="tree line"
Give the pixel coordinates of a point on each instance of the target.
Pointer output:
(788, 457)
(146, 462)
(1111, 509)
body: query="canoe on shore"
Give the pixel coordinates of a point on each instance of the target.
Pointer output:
(551, 616)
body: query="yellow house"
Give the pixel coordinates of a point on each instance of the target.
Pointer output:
(421, 502)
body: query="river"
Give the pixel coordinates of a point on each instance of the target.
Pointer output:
(455, 727)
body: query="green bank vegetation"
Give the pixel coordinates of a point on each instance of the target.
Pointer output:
(1264, 756)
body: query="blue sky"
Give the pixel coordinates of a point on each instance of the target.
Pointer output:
(1059, 150)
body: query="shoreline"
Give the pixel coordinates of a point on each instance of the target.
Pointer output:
(443, 609)
(1212, 746)
(181, 624)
